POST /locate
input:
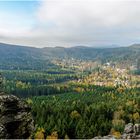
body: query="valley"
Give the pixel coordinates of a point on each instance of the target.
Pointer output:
(75, 92)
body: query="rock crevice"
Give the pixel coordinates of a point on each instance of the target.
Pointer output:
(15, 118)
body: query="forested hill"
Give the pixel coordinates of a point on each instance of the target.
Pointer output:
(22, 57)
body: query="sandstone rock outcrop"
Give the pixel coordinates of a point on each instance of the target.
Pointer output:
(15, 118)
(131, 131)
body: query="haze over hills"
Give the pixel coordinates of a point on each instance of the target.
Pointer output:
(22, 57)
(69, 69)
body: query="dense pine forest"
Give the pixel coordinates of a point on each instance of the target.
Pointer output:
(76, 96)
(85, 115)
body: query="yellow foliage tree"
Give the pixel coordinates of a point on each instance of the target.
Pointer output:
(29, 101)
(118, 125)
(54, 136)
(40, 134)
(116, 134)
(136, 117)
(66, 137)
(79, 90)
(75, 114)
(118, 114)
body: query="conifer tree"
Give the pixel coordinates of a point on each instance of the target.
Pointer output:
(0, 82)
(138, 64)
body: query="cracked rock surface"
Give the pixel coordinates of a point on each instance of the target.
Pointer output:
(15, 118)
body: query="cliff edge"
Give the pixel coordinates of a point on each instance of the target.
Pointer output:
(15, 118)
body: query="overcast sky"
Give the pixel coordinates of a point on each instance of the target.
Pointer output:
(49, 23)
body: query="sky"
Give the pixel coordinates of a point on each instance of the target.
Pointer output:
(50, 23)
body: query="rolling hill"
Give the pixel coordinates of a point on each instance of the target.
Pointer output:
(22, 57)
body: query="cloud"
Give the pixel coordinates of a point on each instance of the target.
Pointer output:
(90, 21)
(86, 22)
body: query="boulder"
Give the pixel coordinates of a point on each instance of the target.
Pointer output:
(128, 128)
(137, 129)
(131, 131)
(128, 136)
(15, 118)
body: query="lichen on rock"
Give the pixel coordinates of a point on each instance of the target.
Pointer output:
(15, 118)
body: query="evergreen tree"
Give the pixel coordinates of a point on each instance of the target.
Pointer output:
(0, 82)
(138, 64)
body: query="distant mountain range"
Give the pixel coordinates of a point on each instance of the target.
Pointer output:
(22, 57)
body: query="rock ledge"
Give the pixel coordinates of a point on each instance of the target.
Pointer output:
(15, 118)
